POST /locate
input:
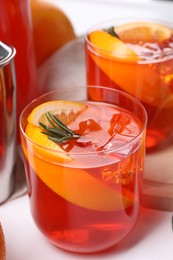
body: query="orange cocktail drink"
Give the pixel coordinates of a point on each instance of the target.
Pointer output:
(84, 172)
(136, 56)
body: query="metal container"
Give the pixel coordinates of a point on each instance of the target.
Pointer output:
(8, 150)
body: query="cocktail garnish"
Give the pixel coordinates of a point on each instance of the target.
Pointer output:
(112, 32)
(59, 132)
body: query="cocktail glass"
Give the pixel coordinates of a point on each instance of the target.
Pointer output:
(136, 56)
(86, 197)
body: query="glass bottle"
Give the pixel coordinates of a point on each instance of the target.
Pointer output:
(16, 30)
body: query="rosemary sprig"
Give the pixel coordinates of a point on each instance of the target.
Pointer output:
(112, 32)
(59, 132)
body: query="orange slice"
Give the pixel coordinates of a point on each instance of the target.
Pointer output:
(143, 31)
(66, 111)
(78, 187)
(43, 147)
(111, 46)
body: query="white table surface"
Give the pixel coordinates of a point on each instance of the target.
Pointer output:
(152, 237)
(85, 13)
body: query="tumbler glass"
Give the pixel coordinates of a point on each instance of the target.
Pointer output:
(85, 193)
(136, 56)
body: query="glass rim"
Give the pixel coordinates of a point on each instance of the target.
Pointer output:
(114, 149)
(122, 58)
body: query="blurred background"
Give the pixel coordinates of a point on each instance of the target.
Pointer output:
(90, 12)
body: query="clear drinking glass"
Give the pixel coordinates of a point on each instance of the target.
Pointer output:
(86, 197)
(138, 59)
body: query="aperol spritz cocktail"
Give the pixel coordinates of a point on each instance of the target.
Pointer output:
(84, 187)
(137, 57)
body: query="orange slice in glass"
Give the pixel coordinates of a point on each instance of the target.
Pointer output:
(111, 46)
(79, 187)
(56, 170)
(143, 31)
(43, 147)
(66, 111)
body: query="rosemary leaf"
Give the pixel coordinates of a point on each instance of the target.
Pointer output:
(60, 124)
(62, 139)
(53, 130)
(112, 32)
(59, 132)
(49, 134)
(50, 121)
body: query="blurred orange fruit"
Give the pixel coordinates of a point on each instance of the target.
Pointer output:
(51, 29)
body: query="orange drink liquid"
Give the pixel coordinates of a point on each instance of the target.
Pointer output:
(85, 192)
(136, 57)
